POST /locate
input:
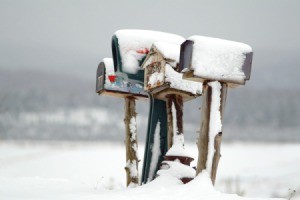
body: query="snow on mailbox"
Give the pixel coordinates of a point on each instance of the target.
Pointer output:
(162, 75)
(130, 48)
(123, 76)
(216, 59)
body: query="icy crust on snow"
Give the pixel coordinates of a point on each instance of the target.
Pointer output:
(218, 59)
(176, 169)
(176, 81)
(215, 123)
(135, 44)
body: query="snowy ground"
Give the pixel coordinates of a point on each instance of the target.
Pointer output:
(43, 170)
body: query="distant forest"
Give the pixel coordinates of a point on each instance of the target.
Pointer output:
(37, 105)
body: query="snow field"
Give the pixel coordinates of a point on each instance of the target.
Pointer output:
(89, 170)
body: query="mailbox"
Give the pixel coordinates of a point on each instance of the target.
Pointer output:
(218, 64)
(108, 83)
(215, 59)
(130, 48)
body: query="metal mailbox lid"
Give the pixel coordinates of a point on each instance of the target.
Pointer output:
(186, 51)
(100, 77)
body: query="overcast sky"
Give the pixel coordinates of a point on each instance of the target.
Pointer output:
(60, 35)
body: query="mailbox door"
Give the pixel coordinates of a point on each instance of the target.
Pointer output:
(247, 65)
(116, 54)
(100, 79)
(186, 50)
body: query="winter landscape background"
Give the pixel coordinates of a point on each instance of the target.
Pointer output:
(49, 52)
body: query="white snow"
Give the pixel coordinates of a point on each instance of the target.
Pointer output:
(177, 148)
(132, 168)
(155, 152)
(176, 81)
(175, 128)
(169, 50)
(132, 164)
(77, 171)
(177, 170)
(109, 65)
(134, 44)
(215, 123)
(132, 127)
(109, 70)
(155, 78)
(218, 59)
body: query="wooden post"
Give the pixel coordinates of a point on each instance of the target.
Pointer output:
(203, 140)
(218, 138)
(204, 122)
(170, 121)
(174, 104)
(131, 142)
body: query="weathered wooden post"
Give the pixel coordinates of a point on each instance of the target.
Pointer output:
(163, 81)
(218, 64)
(206, 140)
(131, 142)
(111, 85)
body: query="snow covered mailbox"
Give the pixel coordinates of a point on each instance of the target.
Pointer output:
(218, 64)
(125, 79)
(163, 80)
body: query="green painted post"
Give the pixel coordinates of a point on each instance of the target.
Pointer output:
(157, 114)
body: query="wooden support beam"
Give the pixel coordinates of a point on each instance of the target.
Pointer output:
(189, 75)
(174, 111)
(204, 128)
(131, 142)
(218, 138)
(170, 121)
(204, 137)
